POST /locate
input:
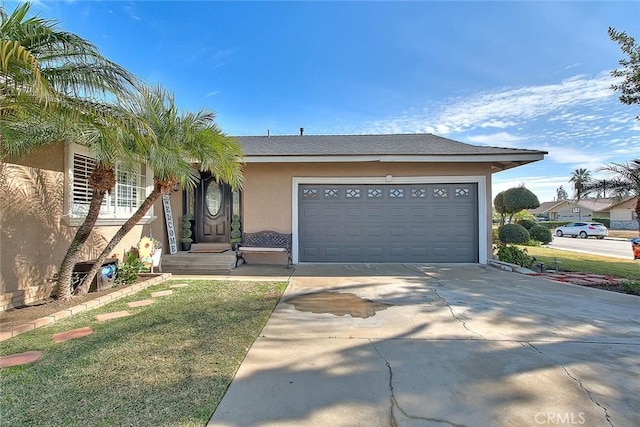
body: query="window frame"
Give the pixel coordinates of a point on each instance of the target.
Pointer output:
(74, 218)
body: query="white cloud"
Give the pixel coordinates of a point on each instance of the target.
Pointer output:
(496, 139)
(503, 108)
(493, 123)
(214, 93)
(542, 186)
(131, 12)
(578, 156)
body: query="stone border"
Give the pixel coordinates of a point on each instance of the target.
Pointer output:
(509, 267)
(87, 305)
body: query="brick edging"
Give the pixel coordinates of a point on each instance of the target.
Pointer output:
(87, 305)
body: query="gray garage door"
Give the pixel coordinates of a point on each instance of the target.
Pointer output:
(388, 223)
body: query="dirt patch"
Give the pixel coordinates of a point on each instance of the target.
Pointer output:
(30, 312)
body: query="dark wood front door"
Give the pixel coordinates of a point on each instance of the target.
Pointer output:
(213, 211)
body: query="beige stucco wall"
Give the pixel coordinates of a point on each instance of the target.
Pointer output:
(33, 238)
(158, 228)
(267, 197)
(564, 212)
(621, 214)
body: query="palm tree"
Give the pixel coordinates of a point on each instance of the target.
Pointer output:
(182, 140)
(580, 178)
(626, 182)
(109, 145)
(49, 81)
(56, 86)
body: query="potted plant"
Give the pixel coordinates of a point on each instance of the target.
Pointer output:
(236, 234)
(186, 239)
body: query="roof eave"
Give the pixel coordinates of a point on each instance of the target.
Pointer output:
(499, 162)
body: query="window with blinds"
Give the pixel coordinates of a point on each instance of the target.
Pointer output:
(82, 168)
(123, 200)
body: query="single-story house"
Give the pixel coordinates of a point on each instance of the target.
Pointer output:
(343, 198)
(621, 213)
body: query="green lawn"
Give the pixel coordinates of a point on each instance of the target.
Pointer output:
(576, 261)
(168, 363)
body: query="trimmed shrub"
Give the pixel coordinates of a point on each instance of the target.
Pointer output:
(541, 234)
(527, 223)
(513, 233)
(519, 198)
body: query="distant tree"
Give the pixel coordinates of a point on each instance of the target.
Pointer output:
(626, 182)
(561, 194)
(580, 178)
(630, 71)
(523, 215)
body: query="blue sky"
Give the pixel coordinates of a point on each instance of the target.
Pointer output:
(512, 74)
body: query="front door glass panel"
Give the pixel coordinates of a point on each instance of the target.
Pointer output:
(213, 198)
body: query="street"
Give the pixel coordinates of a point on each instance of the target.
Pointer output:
(606, 247)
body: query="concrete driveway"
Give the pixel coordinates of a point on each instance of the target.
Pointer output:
(422, 345)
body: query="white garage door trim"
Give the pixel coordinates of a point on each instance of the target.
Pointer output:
(480, 180)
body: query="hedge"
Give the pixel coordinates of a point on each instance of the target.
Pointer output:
(605, 221)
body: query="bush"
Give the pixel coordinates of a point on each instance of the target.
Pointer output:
(552, 225)
(513, 233)
(527, 223)
(541, 234)
(519, 198)
(495, 239)
(630, 287)
(515, 255)
(604, 221)
(128, 271)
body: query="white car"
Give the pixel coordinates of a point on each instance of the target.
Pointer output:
(583, 229)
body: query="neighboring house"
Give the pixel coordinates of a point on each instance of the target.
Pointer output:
(547, 210)
(343, 198)
(621, 213)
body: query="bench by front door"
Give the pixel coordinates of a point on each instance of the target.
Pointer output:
(212, 210)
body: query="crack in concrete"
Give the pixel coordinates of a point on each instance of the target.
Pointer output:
(453, 314)
(566, 371)
(394, 401)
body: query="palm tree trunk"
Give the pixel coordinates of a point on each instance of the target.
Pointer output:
(638, 214)
(126, 227)
(63, 283)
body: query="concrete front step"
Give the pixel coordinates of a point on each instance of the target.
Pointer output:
(199, 263)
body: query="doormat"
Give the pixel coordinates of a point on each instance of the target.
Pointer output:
(207, 251)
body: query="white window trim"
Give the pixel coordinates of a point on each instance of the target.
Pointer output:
(480, 180)
(104, 219)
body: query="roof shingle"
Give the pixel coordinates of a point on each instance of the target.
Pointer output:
(358, 145)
